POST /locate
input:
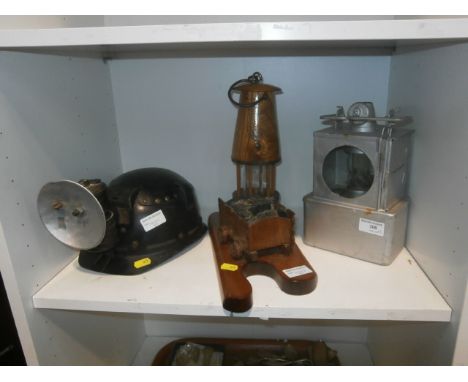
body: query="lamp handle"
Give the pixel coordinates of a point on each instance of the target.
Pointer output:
(253, 79)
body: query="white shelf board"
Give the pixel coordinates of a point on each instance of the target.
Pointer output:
(347, 32)
(188, 285)
(349, 354)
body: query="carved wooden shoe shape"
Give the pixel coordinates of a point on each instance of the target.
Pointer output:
(285, 264)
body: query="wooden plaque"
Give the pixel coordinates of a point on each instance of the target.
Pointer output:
(292, 272)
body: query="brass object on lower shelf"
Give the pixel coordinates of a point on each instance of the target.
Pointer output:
(245, 352)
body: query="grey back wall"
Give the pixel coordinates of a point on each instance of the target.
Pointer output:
(174, 113)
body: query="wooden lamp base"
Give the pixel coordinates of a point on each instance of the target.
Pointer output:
(292, 272)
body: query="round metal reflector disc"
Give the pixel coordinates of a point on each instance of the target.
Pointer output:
(72, 214)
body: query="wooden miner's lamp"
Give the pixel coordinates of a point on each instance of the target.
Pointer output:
(253, 233)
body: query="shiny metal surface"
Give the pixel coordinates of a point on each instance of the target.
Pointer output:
(358, 206)
(361, 117)
(336, 227)
(388, 155)
(72, 214)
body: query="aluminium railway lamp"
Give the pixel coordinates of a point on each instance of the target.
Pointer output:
(359, 204)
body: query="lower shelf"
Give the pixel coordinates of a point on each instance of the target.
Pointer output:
(350, 354)
(187, 285)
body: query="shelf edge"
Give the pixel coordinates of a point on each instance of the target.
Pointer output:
(326, 31)
(436, 315)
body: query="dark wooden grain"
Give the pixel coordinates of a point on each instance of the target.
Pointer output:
(256, 138)
(259, 234)
(236, 289)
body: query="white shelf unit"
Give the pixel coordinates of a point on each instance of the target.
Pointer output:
(352, 33)
(400, 292)
(160, 101)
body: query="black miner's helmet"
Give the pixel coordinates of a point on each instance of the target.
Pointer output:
(152, 215)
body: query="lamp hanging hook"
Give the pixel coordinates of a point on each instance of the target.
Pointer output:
(255, 78)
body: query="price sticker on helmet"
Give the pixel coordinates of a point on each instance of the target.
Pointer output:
(152, 221)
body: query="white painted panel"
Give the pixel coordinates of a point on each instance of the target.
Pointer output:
(57, 122)
(409, 344)
(56, 21)
(348, 289)
(244, 327)
(460, 357)
(126, 20)
(312, 31)
(432, 86)
(15, 302)
(175, 113)
(79, 21)
(88, 338)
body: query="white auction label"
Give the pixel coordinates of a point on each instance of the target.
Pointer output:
(152, 221)
(297, 271)
(371, 226)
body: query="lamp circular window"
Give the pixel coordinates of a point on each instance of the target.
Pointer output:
(348, 171)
